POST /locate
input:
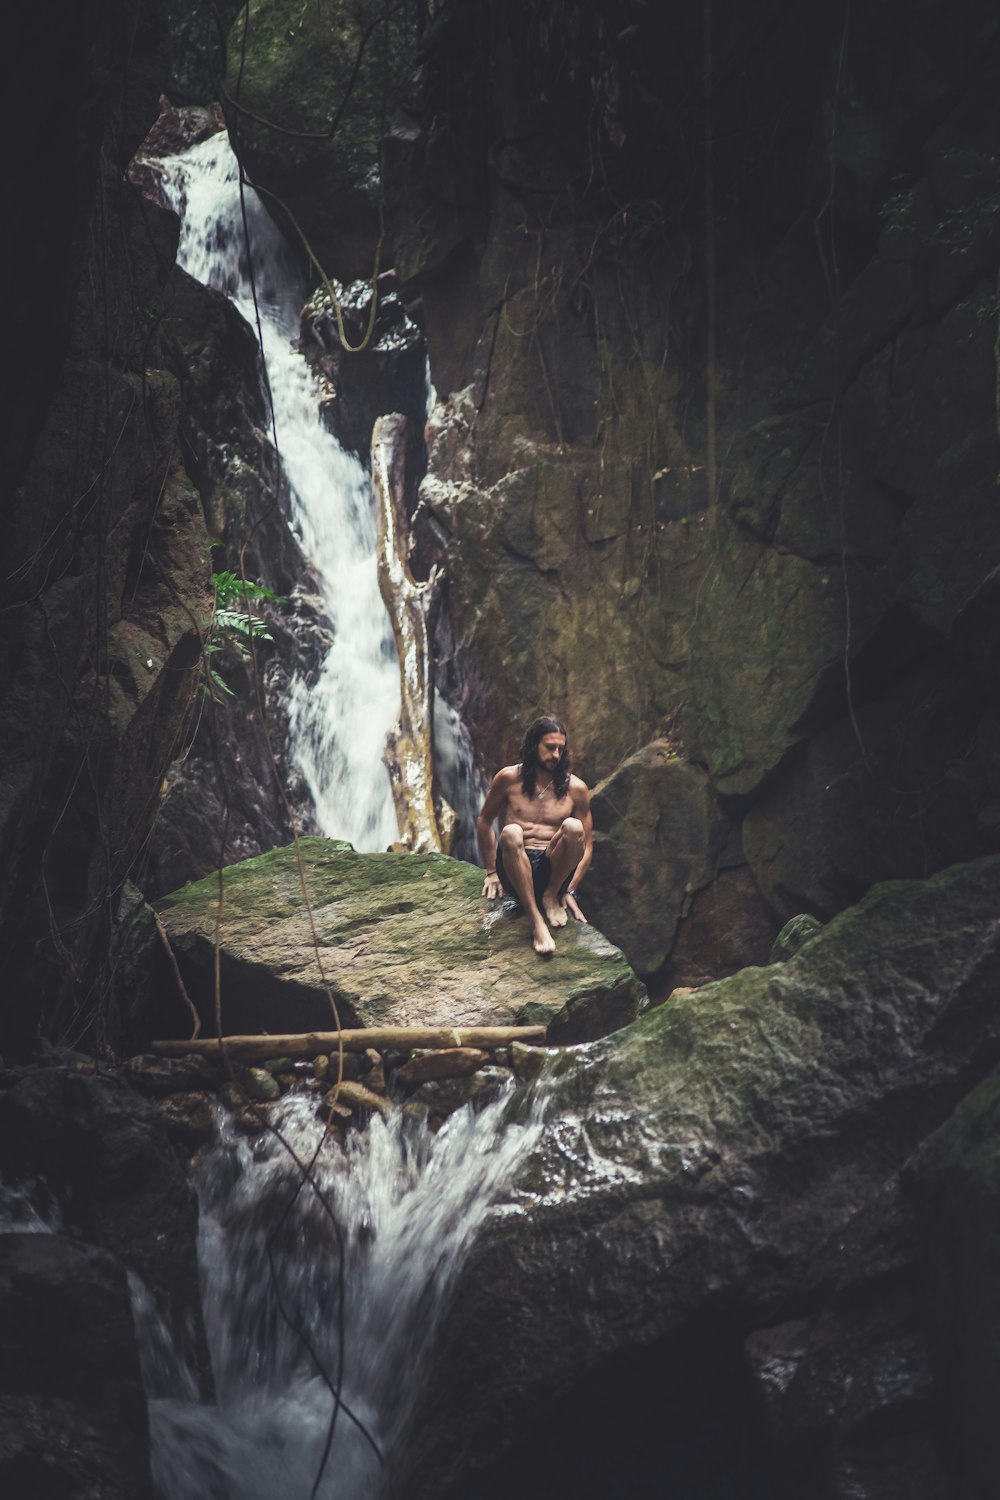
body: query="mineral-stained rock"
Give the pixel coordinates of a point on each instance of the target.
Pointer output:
(72, 1408)
(727, 926)
(657, 832)
(713, 1161)
(402, 939)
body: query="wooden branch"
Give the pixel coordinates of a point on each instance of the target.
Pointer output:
(313, 1043)
(410, 748)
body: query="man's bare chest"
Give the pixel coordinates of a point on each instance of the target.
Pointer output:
(547, 810)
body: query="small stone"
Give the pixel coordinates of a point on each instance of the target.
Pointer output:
(444, 1095)
(160, 1076)
(320, 1065)
(189, 1118)
(526, 1061)
(445, 1062)
(489, 1084)
(356, 1096)
(258, 1084)
(231, 1095)
(796, 932)
(276, 1065)
(353, 1066)
(375, 1077)
(326, 1110)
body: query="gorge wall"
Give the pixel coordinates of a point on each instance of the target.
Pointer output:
(709, 305)
(709, 299)
(709, 302)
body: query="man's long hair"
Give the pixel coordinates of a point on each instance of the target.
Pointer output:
(535, 732)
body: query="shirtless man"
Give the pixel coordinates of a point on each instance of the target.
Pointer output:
(545, 836)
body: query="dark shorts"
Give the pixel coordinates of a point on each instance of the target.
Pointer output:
(541, 874)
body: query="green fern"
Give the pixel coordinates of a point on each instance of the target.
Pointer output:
(233, 624)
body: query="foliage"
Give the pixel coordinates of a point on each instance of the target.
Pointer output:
(196, 34)
(896, 212)
(234, 623)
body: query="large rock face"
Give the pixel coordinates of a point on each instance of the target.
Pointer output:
(400, 939)
(730, 481)
(103, 538)
(719, 469)
(97, 1164)
(72, 1408)
(730, 1163)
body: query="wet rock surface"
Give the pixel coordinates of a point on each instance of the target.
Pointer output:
(731, 1161)
(105, 1154)
(402, 939)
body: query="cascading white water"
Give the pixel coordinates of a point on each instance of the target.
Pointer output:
(338, 724)
(336, 1282)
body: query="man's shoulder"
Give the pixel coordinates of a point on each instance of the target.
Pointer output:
(507, 776)
(578, 787)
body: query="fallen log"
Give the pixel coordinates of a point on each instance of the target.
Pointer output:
(312, 1043)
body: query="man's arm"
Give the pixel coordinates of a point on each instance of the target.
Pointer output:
(496, 799)
(581, 810)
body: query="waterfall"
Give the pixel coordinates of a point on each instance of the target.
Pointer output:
(337, 1280)
(337, 723)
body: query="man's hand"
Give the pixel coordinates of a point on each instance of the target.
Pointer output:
(569, 902)
(492, 887)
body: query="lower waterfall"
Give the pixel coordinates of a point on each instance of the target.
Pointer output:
(324, 1269)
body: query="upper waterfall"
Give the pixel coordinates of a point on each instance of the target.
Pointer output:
(339, 721)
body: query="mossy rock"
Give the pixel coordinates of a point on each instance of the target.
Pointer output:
(400, 939)
(710, 1159)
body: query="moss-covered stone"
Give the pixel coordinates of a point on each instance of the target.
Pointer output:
(400, 940)
(733, 1152)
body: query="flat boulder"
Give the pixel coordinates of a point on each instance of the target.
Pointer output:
(396, 939)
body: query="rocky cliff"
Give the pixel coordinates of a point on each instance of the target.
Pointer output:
(709, 299)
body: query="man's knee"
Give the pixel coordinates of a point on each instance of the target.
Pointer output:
(573, 829)
(512, 836)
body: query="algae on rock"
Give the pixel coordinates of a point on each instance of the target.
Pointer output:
(401, 939)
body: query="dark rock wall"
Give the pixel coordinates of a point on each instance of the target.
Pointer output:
(714, 311)
(103, 537)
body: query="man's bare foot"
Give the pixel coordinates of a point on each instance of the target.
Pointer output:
(543, 941)
(554, 914)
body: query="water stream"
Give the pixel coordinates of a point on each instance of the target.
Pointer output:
(337, 723)
(321, 1289)
(333, 1281)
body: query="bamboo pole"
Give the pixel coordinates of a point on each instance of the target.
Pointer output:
(313, 1043)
